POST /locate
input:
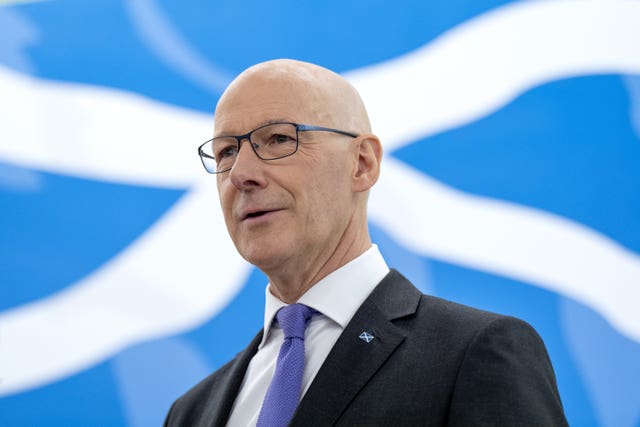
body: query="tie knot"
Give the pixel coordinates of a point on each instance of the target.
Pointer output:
(293, 319)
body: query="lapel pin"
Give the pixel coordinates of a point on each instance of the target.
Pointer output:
(366, 337)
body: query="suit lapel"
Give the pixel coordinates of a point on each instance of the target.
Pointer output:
(220, 404)
(353, 361)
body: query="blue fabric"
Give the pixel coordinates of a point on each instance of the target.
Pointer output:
(283, 394)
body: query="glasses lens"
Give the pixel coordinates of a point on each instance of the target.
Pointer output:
(269, 142)
(219, 154)
(275, 141)
(206, 155)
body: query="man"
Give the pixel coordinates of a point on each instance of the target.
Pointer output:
(294, 159)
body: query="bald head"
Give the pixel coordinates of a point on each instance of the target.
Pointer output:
(322, 96)
(302, 215)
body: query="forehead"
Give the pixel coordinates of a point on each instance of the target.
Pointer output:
(258, 100)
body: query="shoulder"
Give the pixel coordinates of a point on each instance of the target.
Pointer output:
(189, 408)
(207, 386)
(503, 374)
(469, 366)
(468, 334)
(213, 397)
(456, 319)
(449, 334)
(429, 316)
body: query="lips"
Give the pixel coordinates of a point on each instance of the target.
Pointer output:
(256, 213)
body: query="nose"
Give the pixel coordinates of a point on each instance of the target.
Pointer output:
(247, 171)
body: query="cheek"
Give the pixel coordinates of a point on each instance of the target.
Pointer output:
(329, 199)
(225, 197)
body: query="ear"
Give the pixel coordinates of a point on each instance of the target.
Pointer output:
(369, 156)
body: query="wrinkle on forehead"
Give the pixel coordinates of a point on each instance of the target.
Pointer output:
(326, 97)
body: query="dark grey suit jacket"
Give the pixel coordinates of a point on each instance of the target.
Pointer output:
(432, 363)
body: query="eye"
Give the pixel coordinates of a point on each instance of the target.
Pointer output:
(226, 150)
(281, 139)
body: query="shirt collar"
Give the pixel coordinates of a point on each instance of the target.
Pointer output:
(338, 295)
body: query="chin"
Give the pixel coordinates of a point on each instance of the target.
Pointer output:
(259, 254)
(264, 257)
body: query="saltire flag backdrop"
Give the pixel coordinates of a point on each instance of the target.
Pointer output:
(510, 182)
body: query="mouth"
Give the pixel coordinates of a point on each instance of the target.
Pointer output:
(258, 214)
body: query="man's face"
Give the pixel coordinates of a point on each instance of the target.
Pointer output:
(291, 212)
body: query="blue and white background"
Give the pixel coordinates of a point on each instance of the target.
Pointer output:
(510, 182)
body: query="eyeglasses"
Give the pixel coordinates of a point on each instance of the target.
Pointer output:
(269, 142)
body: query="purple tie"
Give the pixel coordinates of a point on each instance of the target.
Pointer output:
(283, 394)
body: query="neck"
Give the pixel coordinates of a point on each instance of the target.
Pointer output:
(289, 283)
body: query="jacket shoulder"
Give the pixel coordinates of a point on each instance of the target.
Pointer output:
(210, 401)
(190, 408)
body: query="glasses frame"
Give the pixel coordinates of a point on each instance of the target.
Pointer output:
(240, 138)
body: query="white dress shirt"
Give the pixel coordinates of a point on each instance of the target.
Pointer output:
(337, 297)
